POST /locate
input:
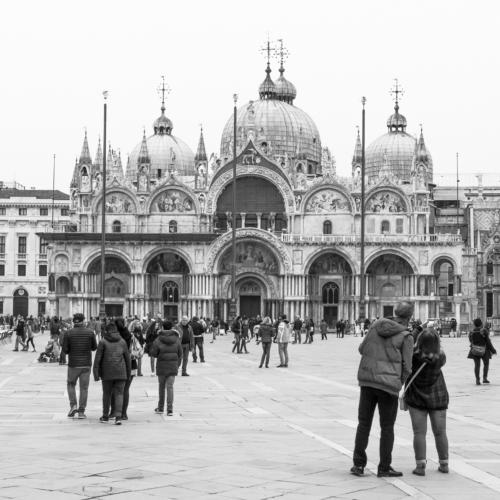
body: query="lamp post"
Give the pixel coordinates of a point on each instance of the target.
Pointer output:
(232, 306)
(102, 305)
(362, 291)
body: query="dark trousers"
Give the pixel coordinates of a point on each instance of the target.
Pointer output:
(80, 374)
(323, 336)
(198, 343)
(243, 344)
(112, 388)
(236, 346)
(266, 351)
(126, 397)
(185, 357)
(477, 366)
(369, 398)
(168, 382)
(30, 341)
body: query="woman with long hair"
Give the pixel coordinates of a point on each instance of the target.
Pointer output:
(481, 348)
(266, 335)
(427, 396)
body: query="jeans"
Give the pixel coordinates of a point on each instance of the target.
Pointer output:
(198, 343)
(438, 424)
(185, 357)
(81, 374)
(112, 388)
(283, 352)
(369, 398)
(236, 346)
(477, 367)
(19, 340)
(169, 382)
(243, 344)
(323, 336)
(126, 393)
(30, 341)
(297, 337)
(266, 352)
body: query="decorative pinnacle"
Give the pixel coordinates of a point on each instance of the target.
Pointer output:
(266, 50)
(162, 90)
(396, 90)
(281, 53)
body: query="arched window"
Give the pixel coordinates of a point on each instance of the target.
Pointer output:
(489, 268)
(386, 227)
(117, 226)
(310, 169)
(299, 169)
(330, 293)
(172, 226)
(170, 292)
(327, 227)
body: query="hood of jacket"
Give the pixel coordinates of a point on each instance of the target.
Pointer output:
(386, 327)
(168, 337)
(112, 336)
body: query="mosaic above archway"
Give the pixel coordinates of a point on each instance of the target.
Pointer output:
(172, 200)
(113, 265)
(118, 203)
(327, 201)
(167, 262)
(330, 264)
(385, 201)
(250, 255)
(389, 265)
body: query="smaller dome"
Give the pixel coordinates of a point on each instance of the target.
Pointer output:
(396, 122)
(285, 90)
(163, 125)
(267, 89)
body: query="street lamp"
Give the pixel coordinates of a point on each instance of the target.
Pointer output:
(362, 298)
(232, 305)
(102, 306)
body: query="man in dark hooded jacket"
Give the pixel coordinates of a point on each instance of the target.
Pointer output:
(386, 362)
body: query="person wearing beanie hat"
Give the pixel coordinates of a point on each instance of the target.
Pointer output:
(481, 348)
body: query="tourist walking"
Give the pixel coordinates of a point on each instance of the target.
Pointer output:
(214, 328)
(297, 327)
(244, 336)
(386, 361)
(137, 345)
(78, 344)
(151, 334)
(167, 348)
(30, 335)
(310, 328)
(481, 348)
(187, 342)
(112, 367)
(283, 338)
(127, 337)
(427, 396)
(55, 329)
(198, 331)
(236, 329)
(323, 328)
(20, 333)
(266, 335)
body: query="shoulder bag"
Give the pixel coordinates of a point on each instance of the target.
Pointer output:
(402, 403)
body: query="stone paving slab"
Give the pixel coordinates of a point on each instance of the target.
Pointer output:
(239, 432)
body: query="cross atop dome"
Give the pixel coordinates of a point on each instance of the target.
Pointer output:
(396, 90)
(163, 89)
(281, 53)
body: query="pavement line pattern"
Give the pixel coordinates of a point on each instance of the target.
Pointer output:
(475, 422)
(215, 382)
(7, 361)
(5, 381)
(340, 385)
(257, 411)
(263, 387)
(398, 483)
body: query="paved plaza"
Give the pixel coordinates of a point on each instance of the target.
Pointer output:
(238, 432)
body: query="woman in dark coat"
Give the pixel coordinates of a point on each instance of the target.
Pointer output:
(127, 337)
(167, 349)
(427, 396)
(151, 335)
(112, 366)
(479, 338)
(266, 335)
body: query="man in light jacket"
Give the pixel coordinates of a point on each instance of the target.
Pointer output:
(283, 338)
(386, 357)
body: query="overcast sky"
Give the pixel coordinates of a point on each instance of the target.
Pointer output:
(58, 57)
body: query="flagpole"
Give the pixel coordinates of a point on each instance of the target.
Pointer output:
(102, 305)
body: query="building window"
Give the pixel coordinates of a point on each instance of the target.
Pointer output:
(2, 245)
(44, 211)
(158, 173)
(3, 211)
(489, 268)
(399, 226)
(43, 246)
(21, 245)
(327, 227)
(41, 308)
(489, 304)
(21, 270)
(386, 227)
(170, 292)
(64, 212)
(172, 226)
(117, 226)
(2, 269)
(42, 270)
(1, 306)
(330, 293)
(23, 211)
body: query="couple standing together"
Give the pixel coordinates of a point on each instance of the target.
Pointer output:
(390, 357)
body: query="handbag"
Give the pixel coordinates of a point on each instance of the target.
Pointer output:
(402, 403)
(478, 350)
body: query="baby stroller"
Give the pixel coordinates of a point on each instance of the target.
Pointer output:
(51, 353)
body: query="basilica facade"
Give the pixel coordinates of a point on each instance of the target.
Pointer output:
(169, 216)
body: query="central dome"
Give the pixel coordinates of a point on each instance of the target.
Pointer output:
(278, 127)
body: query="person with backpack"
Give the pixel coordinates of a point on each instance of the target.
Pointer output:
(426, 395)
(283, 338)
(198, 331)
(186, 337)
(481, 348)
(297, 327)
(20, 332)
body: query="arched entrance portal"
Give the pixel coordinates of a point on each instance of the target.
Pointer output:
(21, 302)
(331, 288)
(167, 284)
(250, 295)
(116, 283)
(62, 290)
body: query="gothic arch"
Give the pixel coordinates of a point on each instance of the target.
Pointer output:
(444, 258)
(267, 284)
(273, 244)
(324, 251)
(167, 249)
(111, 252)
(110, 191)
(390, 190)
(328, 187)
(393, 251)
(172, 184)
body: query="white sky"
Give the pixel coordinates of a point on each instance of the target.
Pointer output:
(58, 57)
